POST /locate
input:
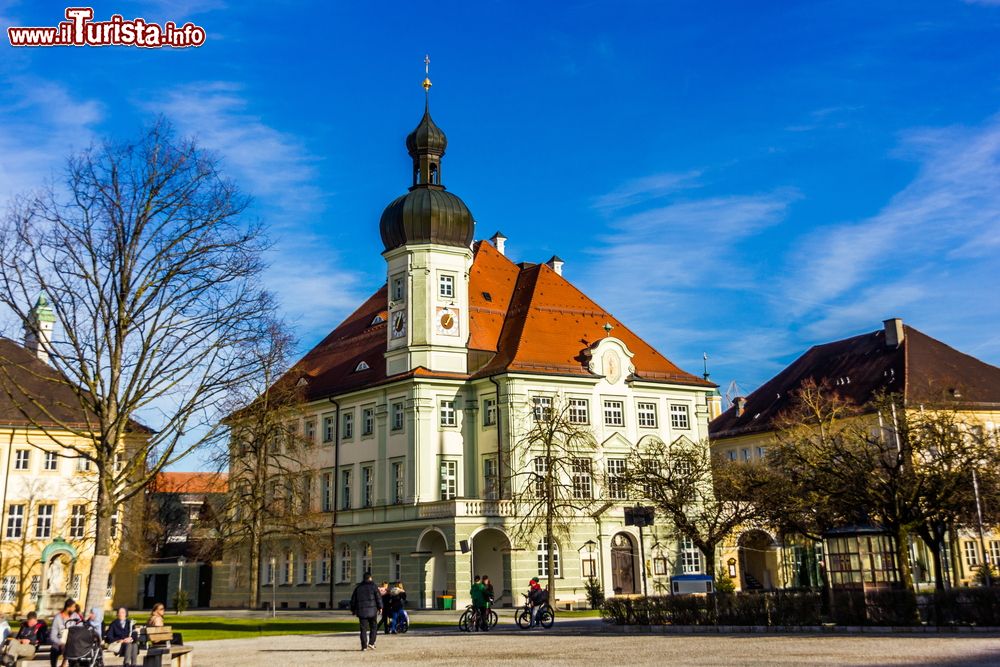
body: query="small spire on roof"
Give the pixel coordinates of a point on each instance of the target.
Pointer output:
(427, 74)
(607, 328)
(704, 357)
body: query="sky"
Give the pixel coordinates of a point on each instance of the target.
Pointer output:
(741, 179)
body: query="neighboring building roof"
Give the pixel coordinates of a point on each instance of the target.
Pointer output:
(924, 370)
(530, 318)
(191, 482)
(24, 381)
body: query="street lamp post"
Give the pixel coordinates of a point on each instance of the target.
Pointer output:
(274, 587)
(988, 574)
(181, 562)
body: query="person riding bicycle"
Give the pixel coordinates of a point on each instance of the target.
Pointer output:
(480, 603)
(537, 598)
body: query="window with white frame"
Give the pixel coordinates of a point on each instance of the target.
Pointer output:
(646, 414)
(305, 571)
(74, 586)
(324, 567)
(288, 572)
(43, 522)
(8, 589)
(543, 558)
(449, 479)
(51, 461)
(971, 553)
(490, 480)
(448, 416)
(306, 484)
(269, 572)
(398, 288)
(398, 482)
(614, 413)
(15, 521)
(616, 479)
(397, 416)
(761, 452)
(583, 483)
(348, 424)
(995, 552)
(446, 286)
(22, 459)
(690, 557)
(659, 565)
(326, 491)
(78, 521)
(345, 563)
(732, 454)
(679, 416)
(579, 411)
(368, 490)
(367, 421)
(746, 454)
(490, 412)
(541, 472)
(82, 464)
(345, 489)
(542, 408)
(310, 431)
(329, 423)
(366, 558)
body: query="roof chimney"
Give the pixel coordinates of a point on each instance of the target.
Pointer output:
(893, 332)
(741, 405)
(555, 264)
(498, 240)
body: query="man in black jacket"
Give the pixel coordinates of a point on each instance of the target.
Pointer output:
(366, 602)
(25, 643)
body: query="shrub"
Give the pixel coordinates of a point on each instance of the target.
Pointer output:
(595, 595)
(891, 608)
(724, 583)
(980, 578)
(181, 601)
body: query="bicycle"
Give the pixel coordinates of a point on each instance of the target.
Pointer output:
(546, 615)
(469, 621)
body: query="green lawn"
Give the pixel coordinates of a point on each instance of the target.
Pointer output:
(201, 628)
(579, 613)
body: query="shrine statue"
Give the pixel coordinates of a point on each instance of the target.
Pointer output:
(56, 576)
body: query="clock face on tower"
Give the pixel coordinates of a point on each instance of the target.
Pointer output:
(446, 321)
(398, 324)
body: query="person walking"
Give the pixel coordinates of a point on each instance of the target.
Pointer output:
(123, 638)
(25, 643)
(401, 612)
(490, 593)
(366, 602)
(478, 593)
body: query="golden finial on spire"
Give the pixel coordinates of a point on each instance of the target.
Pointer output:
(427, 71)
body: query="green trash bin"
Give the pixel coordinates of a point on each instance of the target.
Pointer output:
(446, 602)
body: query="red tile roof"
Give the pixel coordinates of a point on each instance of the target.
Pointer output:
(191, 482)
(925, 370)
(529, 317)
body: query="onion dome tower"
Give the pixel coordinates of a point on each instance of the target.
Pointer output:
(427, 213)
(427, 237)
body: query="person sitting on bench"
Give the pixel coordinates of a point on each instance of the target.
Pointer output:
(25, 643)
(123, 638)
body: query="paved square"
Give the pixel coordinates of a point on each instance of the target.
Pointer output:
(517, 647)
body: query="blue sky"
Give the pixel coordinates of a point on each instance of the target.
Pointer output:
(746, 179)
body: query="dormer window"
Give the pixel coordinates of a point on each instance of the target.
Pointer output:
(378, 320)
(487, 296)
(362, 366)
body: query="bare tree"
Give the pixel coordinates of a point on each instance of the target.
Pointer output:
(153, 275)
(271, 486)
(554, 484)
(704, 498)
(910, 471)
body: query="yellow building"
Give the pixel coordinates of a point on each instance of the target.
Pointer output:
(895, 359)
(48, 491)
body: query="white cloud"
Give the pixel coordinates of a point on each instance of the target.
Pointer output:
(644, 189)
(39, 128)
(946, 221)
(280, 173)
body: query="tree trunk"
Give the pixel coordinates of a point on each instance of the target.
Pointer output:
(253, 594)
(551, 544)
(902, 538)
(933, 537)
(710, 547)
(100, 565)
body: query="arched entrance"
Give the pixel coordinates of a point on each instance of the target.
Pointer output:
(432, 546)
(758, 560)
(623, 564)
(491, 556)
